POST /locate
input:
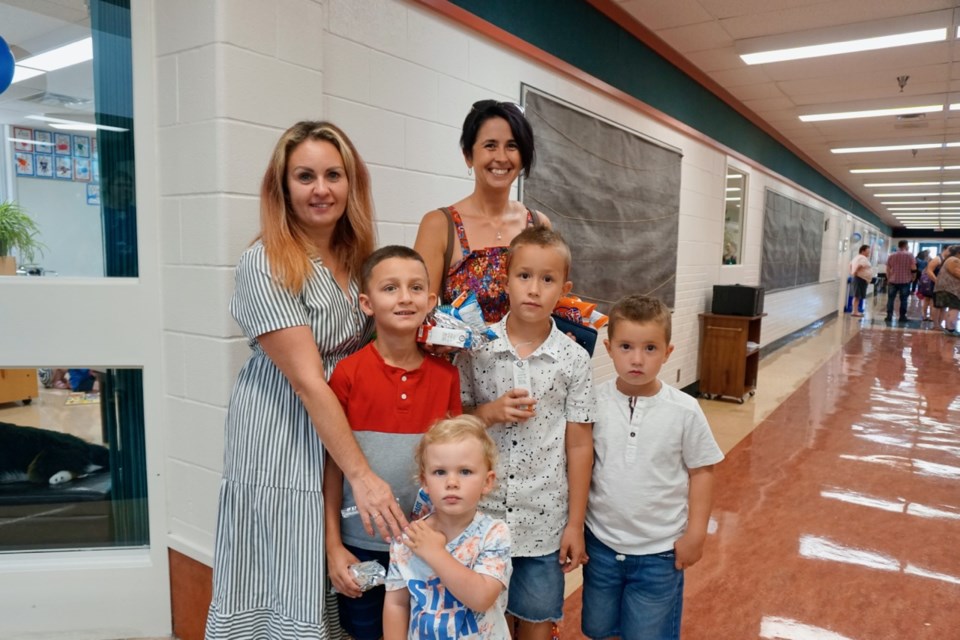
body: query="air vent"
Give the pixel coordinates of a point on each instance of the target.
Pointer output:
(911, 121)
(50, 99)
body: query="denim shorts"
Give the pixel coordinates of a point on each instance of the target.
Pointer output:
(536, 588)
(362, 618)
(630, 596)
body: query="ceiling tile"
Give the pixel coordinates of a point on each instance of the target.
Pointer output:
(653, 16)
(696, 37)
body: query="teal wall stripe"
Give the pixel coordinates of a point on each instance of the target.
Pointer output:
(582, 36)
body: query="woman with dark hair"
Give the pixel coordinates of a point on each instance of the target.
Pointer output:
(497, 145)
(946, 292)
(296, 301)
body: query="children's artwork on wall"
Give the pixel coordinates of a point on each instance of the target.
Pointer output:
(44, 165)
(44, 140)
(95, 168)
(24, 163)
(81, 169)
(93, 146)
(61, 144)
(93, 194)
(22, 133)
(81, 146)
(613, 193)
(64, 168)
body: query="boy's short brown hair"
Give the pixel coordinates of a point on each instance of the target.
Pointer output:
(385, 253)
(540, 236)
(638, 308)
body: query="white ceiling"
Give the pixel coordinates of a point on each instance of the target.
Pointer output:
(36, 26)
(706, 33)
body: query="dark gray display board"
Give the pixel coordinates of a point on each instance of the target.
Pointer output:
(792, 243)
(615, 197)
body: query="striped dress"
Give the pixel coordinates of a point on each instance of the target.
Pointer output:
(269, 557)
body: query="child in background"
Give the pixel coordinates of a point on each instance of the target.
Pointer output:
(652, 484)
(449, 573)
(391, 393)
(533, 388)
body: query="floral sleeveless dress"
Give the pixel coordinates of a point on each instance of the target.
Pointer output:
(483, 271)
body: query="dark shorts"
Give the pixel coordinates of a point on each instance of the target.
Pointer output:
(859, 288)
(944, 299)
(362, 618)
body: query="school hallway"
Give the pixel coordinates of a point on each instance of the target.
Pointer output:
(837, 515)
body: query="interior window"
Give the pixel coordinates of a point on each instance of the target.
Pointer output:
(734, 207)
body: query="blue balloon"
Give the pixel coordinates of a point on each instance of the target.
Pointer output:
(6, 65)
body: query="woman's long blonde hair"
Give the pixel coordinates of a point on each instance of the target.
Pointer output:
(288, 247)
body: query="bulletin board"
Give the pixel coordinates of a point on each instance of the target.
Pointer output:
(613, 193)
(792, 243)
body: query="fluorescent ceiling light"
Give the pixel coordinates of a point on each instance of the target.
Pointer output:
(59, 58)
(896, 147)
(916, 209)
(917, 195)
(871, 113)
(899, 169)
(65, 56)
(905, 184)
(734, 176)
(733, 188)
(919, 202)
(848, 46)
(74, 125)
(737, 199)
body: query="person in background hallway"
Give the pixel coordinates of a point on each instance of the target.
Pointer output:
(901, 268)
(933, 272)
(652, 486)
(862, 273)
(921, 265)
(497, 145)
(925, 286)
(296, 301)
(947, 290)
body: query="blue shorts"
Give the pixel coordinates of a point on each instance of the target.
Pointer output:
(630, 596)
(536, 588)
(362, 618)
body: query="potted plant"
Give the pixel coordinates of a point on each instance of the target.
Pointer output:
(17, 231)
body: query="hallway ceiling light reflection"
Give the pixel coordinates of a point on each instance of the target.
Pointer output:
(776, 628)
(893, 506)
(818, 548)
(923, 467)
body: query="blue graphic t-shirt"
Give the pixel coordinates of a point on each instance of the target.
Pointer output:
(435, 614)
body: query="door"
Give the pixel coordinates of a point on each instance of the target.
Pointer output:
(83, 556)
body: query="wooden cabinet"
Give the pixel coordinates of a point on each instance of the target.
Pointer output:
(729, 355)
(18, 384)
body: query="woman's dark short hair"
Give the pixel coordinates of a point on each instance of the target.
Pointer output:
(482, 111)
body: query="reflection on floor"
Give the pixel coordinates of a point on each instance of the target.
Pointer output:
(837, 516)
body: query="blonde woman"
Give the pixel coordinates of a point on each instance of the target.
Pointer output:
(296, 301)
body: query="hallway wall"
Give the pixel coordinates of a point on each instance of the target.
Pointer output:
(399, 79)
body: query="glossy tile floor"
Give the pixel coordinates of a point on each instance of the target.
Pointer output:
(838, 516)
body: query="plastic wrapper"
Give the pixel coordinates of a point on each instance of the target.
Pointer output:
(459, 324)
(574, 309)
(368, 574)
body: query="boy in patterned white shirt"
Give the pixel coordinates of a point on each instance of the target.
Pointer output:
(534, 389)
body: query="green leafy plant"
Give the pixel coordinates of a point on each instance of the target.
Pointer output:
(19, 231)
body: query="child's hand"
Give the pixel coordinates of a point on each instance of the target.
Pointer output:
(339, 560)
(573, 549)
(688, 550)
(515, 405)
(424, 541)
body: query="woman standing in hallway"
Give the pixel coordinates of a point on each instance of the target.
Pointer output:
(296, 300)
(946, 293)
(497, 145)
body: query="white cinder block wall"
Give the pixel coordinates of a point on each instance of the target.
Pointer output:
(399, 79)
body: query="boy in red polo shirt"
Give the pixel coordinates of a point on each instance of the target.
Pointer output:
(391, 392)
